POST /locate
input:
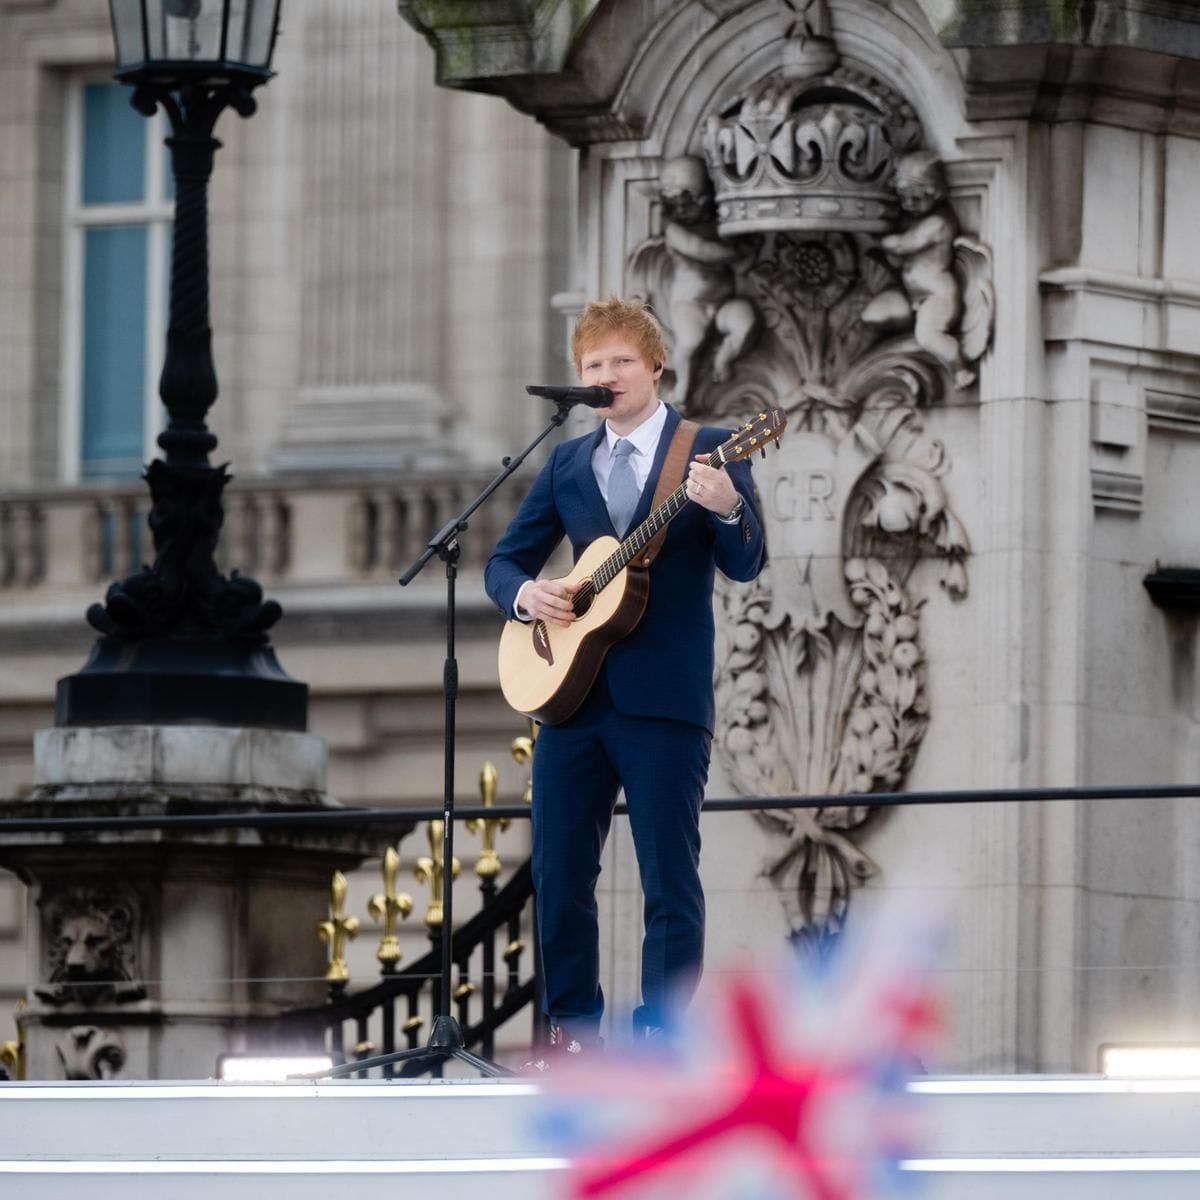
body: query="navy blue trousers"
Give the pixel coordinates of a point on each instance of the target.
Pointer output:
(578, 768)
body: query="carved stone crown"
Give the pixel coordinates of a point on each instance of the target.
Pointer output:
(813, 153)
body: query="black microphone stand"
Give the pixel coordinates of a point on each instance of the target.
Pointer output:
(446, 1037)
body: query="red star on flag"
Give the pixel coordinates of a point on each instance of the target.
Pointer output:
(774, 1098)
(787, 1084)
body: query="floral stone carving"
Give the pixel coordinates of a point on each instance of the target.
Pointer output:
(89, 1052)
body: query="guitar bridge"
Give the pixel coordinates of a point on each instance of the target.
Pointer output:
(541, 642)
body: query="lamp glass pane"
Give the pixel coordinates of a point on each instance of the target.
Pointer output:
(235, 31)
(127, 32)
(192, 30)
(260, 33)
(156, 44)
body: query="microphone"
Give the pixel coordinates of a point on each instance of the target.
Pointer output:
(593, 397)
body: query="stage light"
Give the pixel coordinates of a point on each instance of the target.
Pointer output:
(1163, 1061)
(269, 1068)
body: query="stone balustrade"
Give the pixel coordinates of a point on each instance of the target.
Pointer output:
(342, 529)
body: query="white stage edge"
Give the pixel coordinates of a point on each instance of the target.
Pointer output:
(1032, 1137)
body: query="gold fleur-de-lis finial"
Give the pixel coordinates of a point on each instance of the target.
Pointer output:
(337, 930)
(522, 751)
(386, 906)
(432, 870)
(488, 865)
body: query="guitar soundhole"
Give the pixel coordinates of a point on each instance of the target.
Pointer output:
(583, 601)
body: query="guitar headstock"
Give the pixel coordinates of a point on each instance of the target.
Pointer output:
(757, 434)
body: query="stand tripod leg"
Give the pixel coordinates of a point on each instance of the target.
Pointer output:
(445, 1042)
(494, 1070)
(446, 1039)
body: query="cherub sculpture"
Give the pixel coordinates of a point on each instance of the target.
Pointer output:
(687, 274)
(947, 295)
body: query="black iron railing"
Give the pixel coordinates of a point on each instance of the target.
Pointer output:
(495, 962)
(484, 998)
(476, 812)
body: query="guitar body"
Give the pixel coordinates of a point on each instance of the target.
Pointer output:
(547, 671)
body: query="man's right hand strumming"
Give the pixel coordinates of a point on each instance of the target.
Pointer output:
(547, 600)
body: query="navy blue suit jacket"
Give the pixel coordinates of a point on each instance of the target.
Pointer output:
(664, 668)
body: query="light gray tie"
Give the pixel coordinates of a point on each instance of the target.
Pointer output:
(623, 491)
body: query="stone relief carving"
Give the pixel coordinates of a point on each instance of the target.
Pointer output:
(89, 1052)
(691, 268)
(947, 289)
(833, 228)
(90, 940)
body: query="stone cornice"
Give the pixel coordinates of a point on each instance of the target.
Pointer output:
(561, 61)
(1113, 283)
(1134, 63)
(1114, 85)
(1160, 26)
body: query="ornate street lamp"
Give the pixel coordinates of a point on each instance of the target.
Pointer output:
(181, 642)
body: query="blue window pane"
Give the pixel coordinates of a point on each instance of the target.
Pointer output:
(114, 146)
(114, 351)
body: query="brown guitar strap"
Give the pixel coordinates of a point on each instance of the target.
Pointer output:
(675, 466)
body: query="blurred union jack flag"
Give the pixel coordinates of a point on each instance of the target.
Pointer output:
(781, 1084)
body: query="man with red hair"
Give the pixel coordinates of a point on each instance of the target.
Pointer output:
(646, 727)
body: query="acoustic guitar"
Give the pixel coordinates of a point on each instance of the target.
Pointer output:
(546, 671)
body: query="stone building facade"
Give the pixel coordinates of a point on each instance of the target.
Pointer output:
(382, 255)
(955, 242)
(958, 244)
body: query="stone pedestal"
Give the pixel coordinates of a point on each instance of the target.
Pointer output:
(154, 951)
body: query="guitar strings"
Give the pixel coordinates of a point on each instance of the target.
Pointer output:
(637, 541)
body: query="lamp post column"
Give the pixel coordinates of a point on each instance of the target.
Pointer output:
(188, 385)
(173, 633)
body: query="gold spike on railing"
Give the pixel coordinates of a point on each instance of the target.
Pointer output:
(488, 865)
(522, 752)
(337, 930)
(432, 870)
(386, 906)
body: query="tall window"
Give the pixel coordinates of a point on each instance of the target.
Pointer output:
(119, 212)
